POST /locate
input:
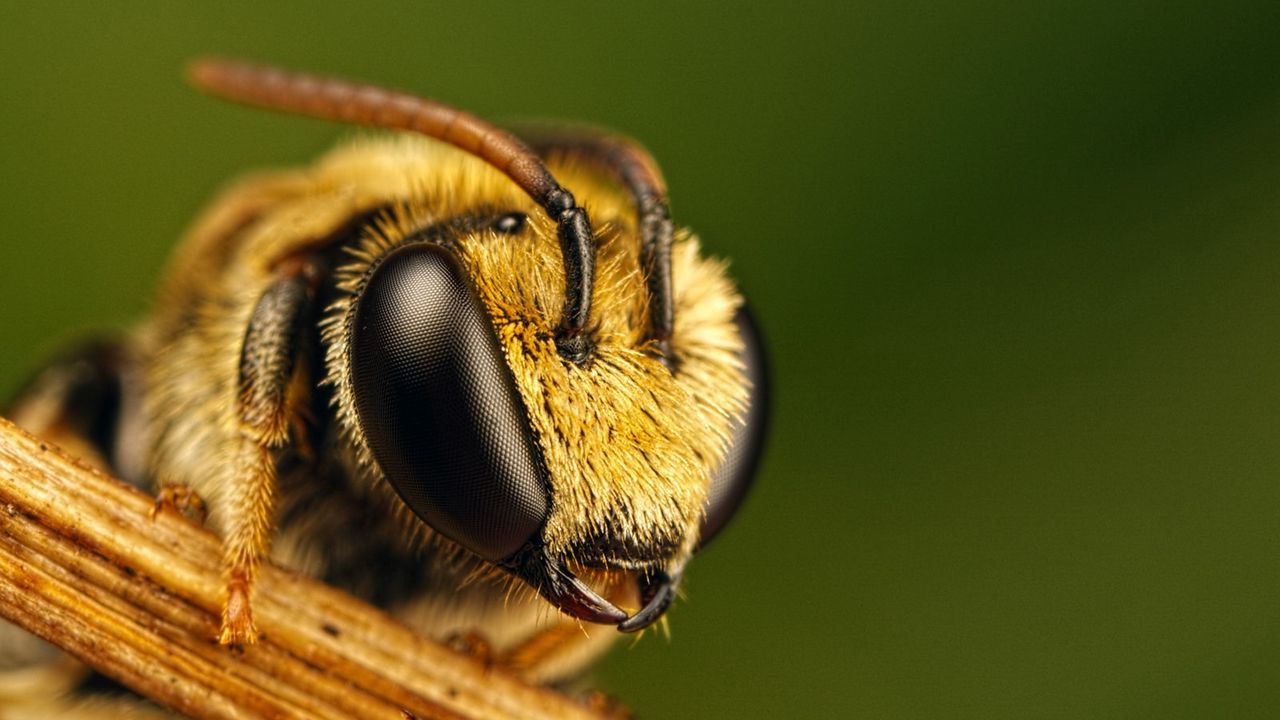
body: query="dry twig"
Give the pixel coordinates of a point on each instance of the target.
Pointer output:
(83, 565)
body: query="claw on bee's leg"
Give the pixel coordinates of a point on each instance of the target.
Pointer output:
(238, 627)
(267, 363)
(181, 499)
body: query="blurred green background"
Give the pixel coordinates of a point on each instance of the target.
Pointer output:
(1017, 263)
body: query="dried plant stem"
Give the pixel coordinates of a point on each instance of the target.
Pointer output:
(85, 566)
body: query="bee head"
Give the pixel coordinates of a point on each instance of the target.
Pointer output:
(544, 467)
(545, 396)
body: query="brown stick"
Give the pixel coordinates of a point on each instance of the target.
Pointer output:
(84, 566)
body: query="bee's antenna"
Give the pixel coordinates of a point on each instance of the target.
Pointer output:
(630, 165)
(359, 104)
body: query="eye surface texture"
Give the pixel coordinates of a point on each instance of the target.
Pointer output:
(730, 482)
(438, 406)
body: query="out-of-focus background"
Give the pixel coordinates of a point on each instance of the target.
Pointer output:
(1018, 263)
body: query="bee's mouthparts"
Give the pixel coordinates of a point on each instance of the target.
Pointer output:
(657, 590)
(560, 587)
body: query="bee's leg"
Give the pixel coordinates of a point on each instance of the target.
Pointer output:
(267, 363)
(630, 165)
(183, 499)
(85, 402)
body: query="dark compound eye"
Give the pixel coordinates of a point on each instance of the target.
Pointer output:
(439, 408)
(729, 484)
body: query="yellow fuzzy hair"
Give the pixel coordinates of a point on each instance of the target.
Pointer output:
(629, 446)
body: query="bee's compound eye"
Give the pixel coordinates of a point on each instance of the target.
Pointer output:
(730, 482)
(438, 405)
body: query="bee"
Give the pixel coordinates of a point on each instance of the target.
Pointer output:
(428, 373)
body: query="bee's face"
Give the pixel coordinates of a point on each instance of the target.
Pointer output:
(451, 384)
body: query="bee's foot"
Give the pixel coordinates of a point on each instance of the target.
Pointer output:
(237, 616)
(184, 500)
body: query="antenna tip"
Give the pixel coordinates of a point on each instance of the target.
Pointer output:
(211, 73)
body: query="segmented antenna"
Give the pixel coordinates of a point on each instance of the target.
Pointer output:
(359, 104)
(630, 165)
